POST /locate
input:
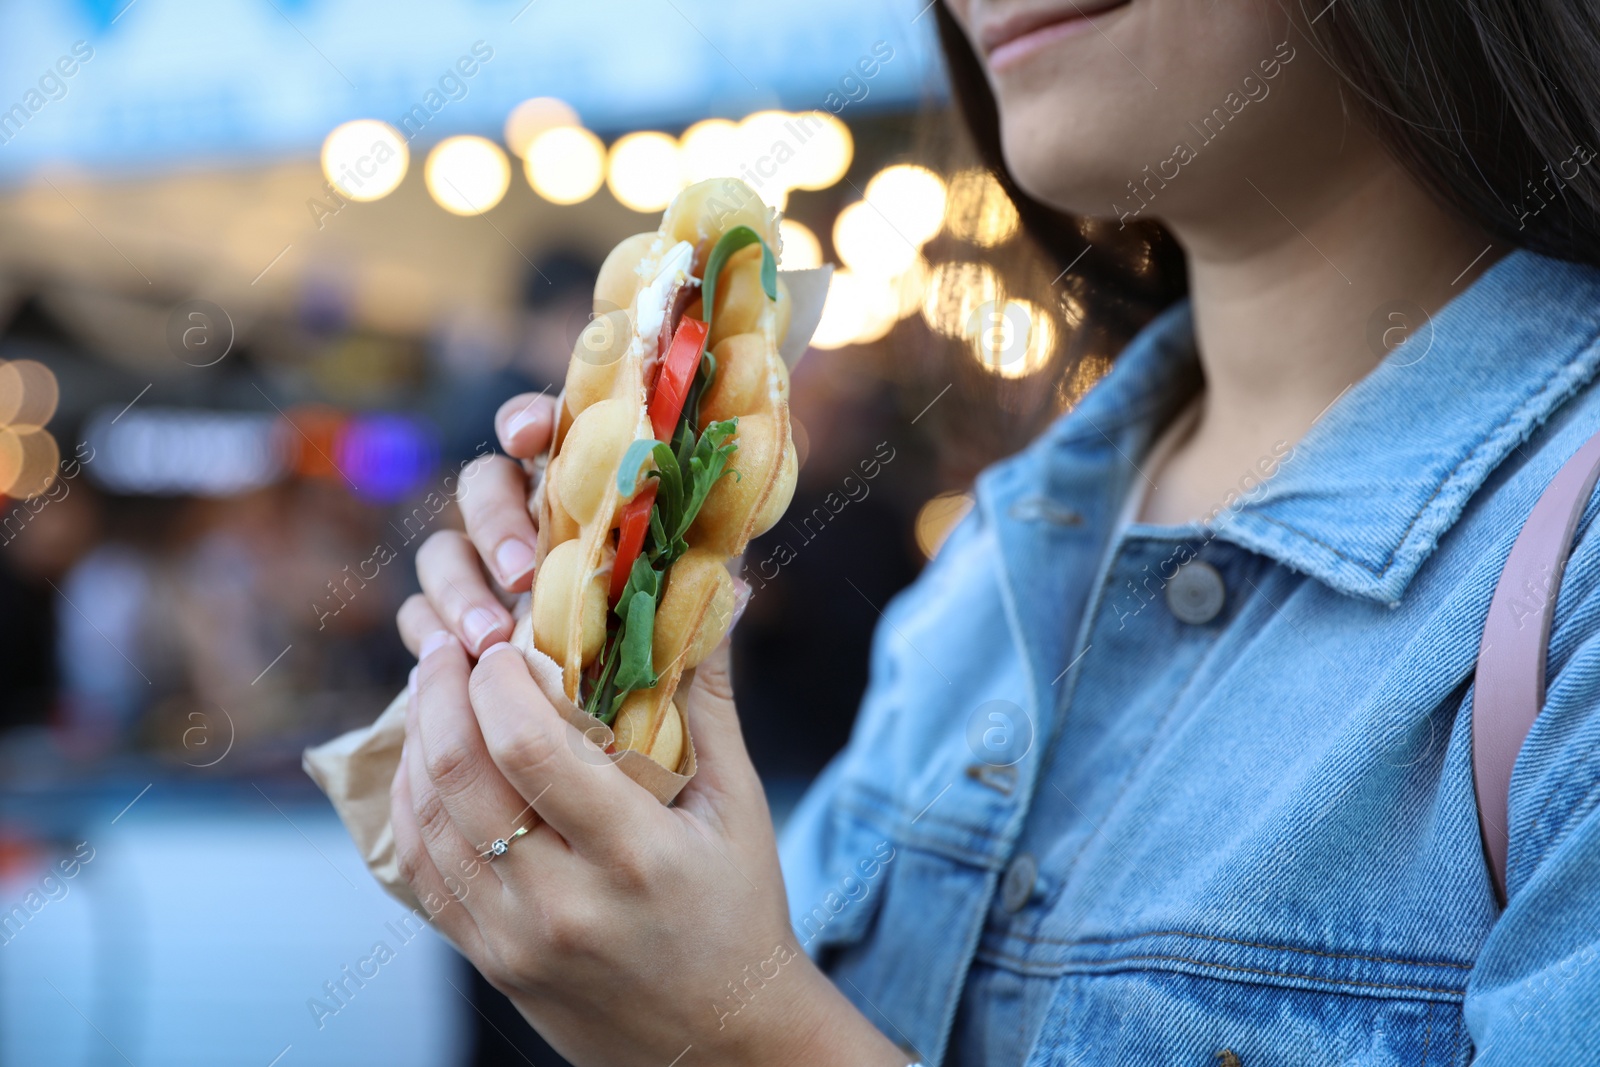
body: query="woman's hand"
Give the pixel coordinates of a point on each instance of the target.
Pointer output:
(456, 595)
(625, 931)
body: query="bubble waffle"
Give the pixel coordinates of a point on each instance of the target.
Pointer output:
(625, 375)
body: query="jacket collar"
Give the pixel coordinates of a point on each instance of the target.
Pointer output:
(1389, 468)
(1384, 472)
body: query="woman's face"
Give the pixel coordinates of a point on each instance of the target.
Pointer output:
(1141, 108)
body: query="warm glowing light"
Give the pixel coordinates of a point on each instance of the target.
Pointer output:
(643, 171)
(770, 149)
(1012, 339)
(711, 148)
(1071, 309)
(938, 517)
(29, 459)
(566, 165)
(532, 117)
(824, 157)
(28, 394)
(911, 199)
(883, 307)
(1085, 373)
(955, 291)
(801, 249)
(365, 159)
(844, 314)
(978, 210)
(911, 288)
(467, 175)
(867, 242)
(859, 309)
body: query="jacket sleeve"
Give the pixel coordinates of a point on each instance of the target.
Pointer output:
(1534, 995)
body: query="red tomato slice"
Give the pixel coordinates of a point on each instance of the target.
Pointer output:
(630, 538)
(677, 372)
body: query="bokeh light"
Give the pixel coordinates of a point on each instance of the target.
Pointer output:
(365, 159)
(312, 436)
(643, 171)
(955, 291)
(938, 517)
(566, 165)
(532, 117)
(869, 243)
(1012, 338)
(911, 199)
(978, 210)
(801, 248)
(28, 394)
(711, 148)
(386, 456)
(827, 153)
(859, 309)
(467, 175)
(29, 460)
(770, 154)
(911, 287)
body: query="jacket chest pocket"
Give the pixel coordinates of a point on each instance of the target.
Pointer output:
(1170, 1017)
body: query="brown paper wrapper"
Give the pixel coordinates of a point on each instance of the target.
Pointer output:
(355, 769)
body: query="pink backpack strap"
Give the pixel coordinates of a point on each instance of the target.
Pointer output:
(1509, 690)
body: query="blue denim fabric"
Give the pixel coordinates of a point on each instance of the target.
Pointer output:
(1254, 835)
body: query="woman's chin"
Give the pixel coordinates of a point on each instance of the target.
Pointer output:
(1072, 182)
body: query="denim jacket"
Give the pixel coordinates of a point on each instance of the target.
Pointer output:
(1203, 794)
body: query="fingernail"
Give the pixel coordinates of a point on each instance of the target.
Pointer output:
(513, 559)
(523, 419)
(741, 600)
(498, 646)
(433, 643)
(479, 624)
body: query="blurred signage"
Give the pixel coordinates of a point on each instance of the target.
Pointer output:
(156, 451)
(157, 83)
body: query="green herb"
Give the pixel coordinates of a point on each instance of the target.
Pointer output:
(637, 610)
(727, 245)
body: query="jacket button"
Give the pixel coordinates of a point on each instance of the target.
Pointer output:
(1018, 883)
(1195, 594)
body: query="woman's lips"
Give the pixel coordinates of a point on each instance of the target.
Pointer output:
(1007, 41)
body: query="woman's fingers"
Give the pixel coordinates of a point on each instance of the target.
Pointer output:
(476, 796)
(453, 853)
(494, 503)
(453, 581)
(725, 773)
(580, 793)
(523, 424)
(416, 620)
(440, 896)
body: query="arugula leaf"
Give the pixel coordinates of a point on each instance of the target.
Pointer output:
(727, 245)
(632, 654)
(704, 375)
(643, 580)
(709, 462)
(600, 692)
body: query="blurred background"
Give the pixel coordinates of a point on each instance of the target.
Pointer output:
(267, 268)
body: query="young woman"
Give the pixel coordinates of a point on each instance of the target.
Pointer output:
(1165, 757)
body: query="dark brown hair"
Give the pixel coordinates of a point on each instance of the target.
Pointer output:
(1493, 105)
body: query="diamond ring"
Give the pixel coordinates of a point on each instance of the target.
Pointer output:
(500, 845)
